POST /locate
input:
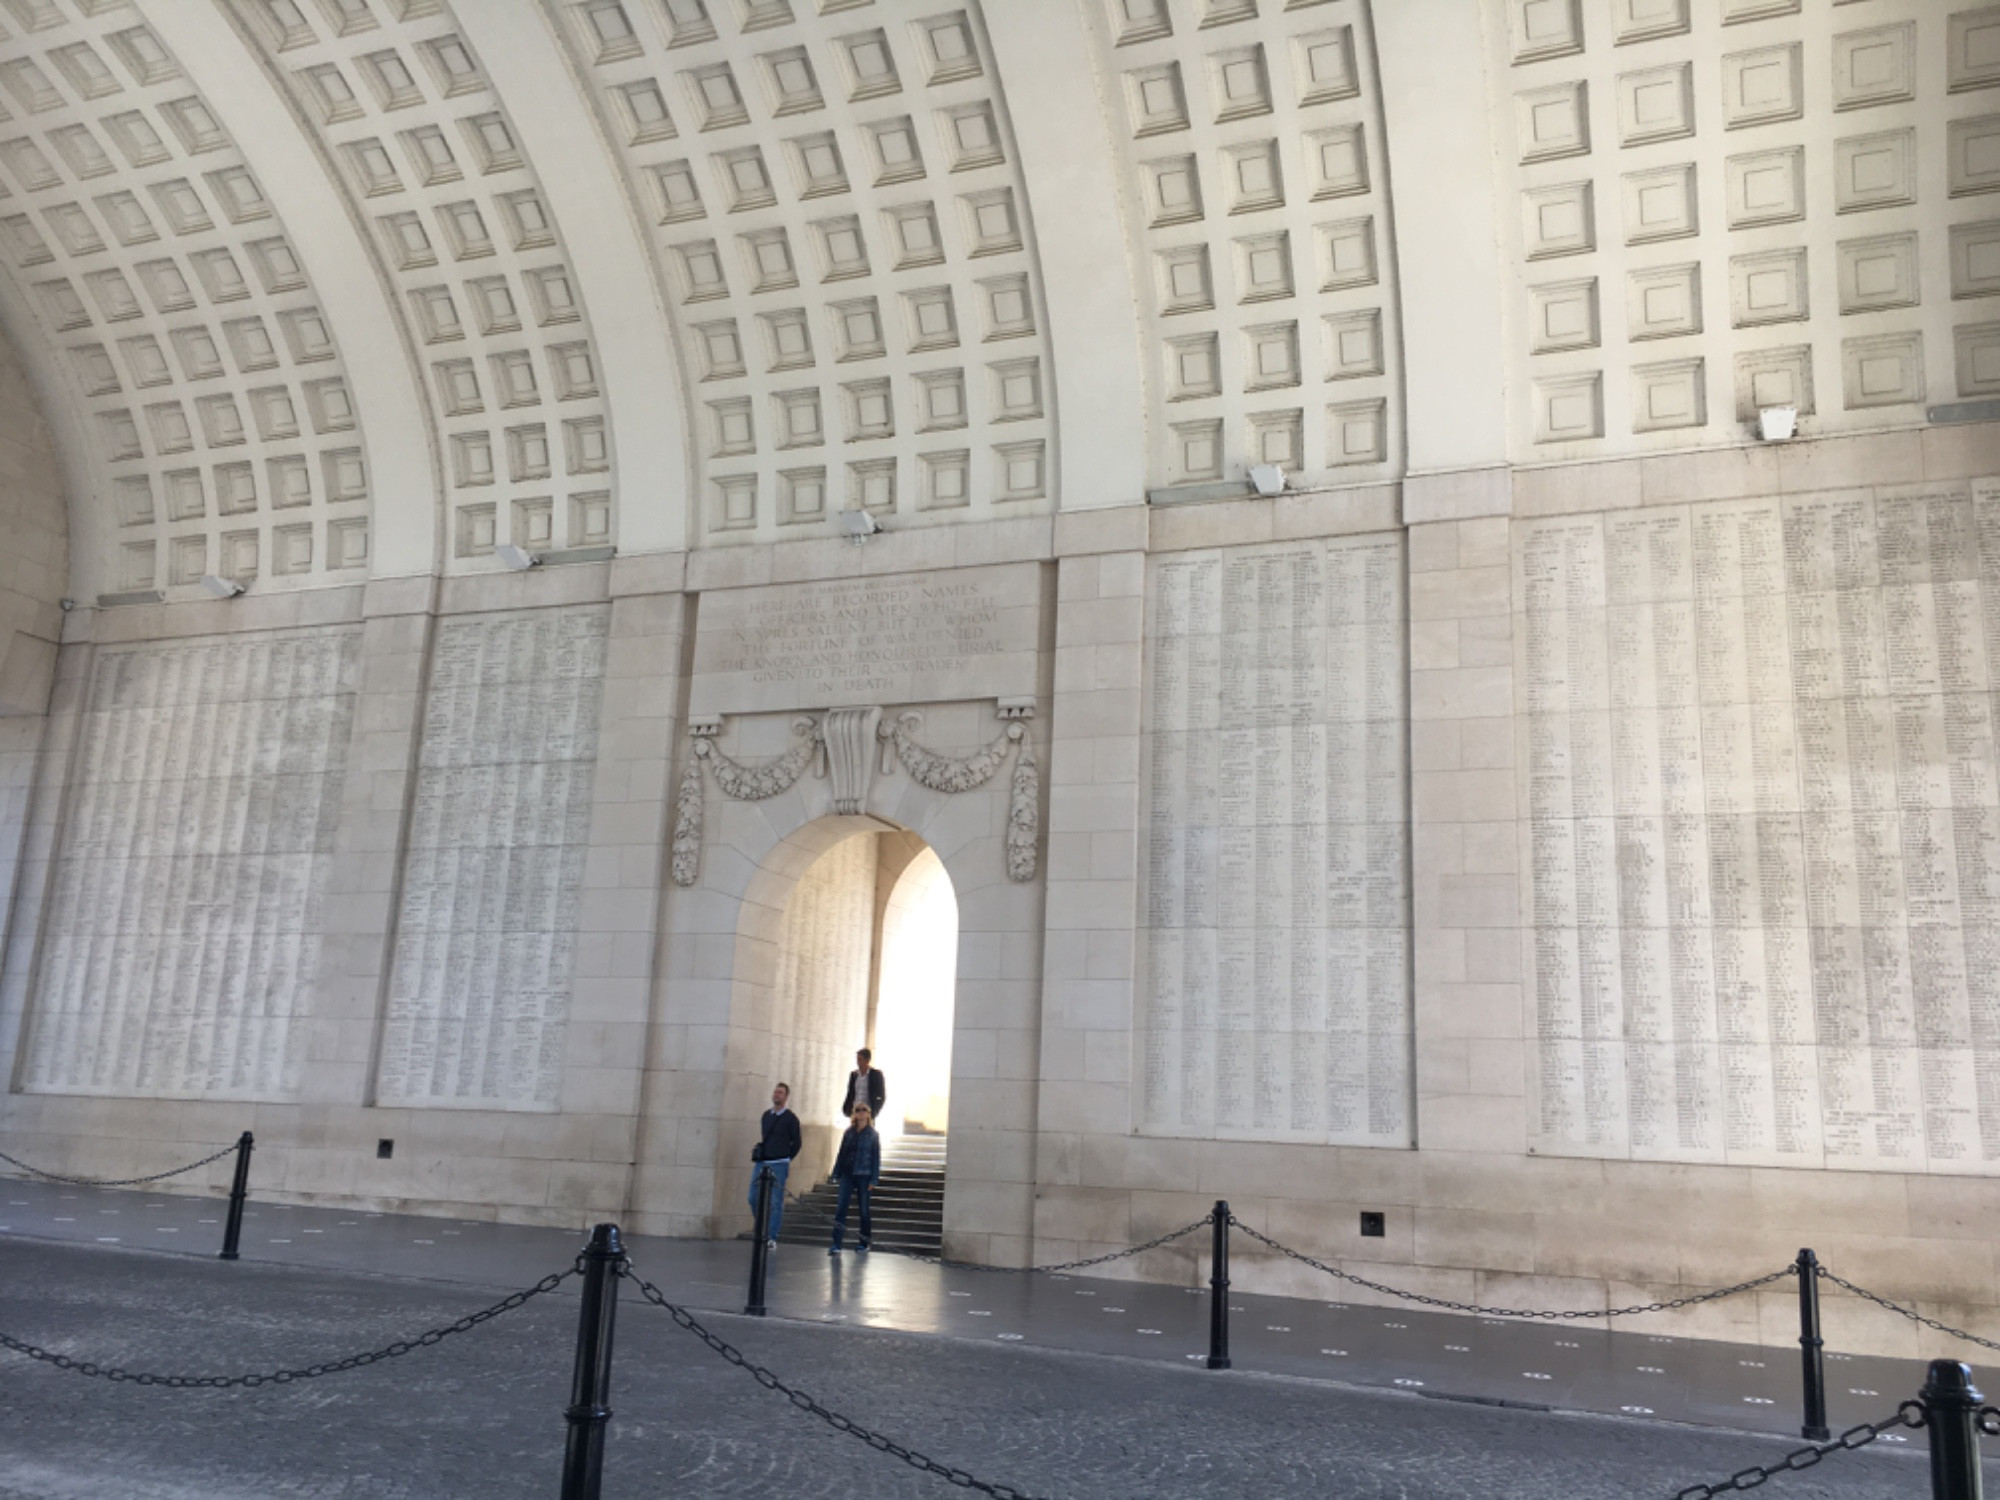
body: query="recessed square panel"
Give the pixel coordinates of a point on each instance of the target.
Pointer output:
(1553, 122)
(1656, 104)
(1877, 273)
(1545, 28)
(1972, 155)
(1978, 359)
(1559, 220)
(1660, 204)
(1663, 302)
(1195, 450)
(1264, 267)
(1670, 395)
(944, 480)
(1875, 171)
(1347, 254)
(732, 503)
(1353, 344)
(1184, 281)
(1779, 377)
(1172, 190)
(1238, 84)
(1884, 371)
(1270, 356)
(1768, 288)
(1972, 54)
(1193, 367)
(1139, 20)
(1736, 11)
(1323, 66)
(1357, 432)
(1877, 66)
(1252, 176)
(1562, 315)
(1643, 20)
(1337, 161)
(1762, 86)
(1155, 100)
(1975, 259)
(803, 495)
(1278, 437)
(1569, 408)
(1766, 187)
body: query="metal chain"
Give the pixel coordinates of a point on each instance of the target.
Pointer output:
(1511, 1312)
(1914, 1317)
(229, 1150)
(808, 1405)
(1989, 1421)
(309, 1372)
(1909, 1414)
(1067, 1265)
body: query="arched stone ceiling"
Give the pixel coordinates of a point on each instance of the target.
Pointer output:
(318, 290)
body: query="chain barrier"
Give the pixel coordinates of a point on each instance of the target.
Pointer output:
(1567, 1315)
(1914, 1317)
(805, 1403)
(1909, 1414)
(228, 1150)
(286, 1377)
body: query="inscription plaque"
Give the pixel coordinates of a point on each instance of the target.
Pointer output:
(183, 911)
(1763, 831)
(486, 931)
(1275, 998)
(902, 638)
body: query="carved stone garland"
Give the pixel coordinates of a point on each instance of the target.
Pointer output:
(841, 737)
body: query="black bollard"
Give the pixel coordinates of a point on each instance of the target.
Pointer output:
(583, 1459)
(1812, 1360)
(760, 1227)
(1951, 1411)
(1218, 1291)
(239, 1190)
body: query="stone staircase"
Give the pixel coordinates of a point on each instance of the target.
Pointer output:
(908, 1203)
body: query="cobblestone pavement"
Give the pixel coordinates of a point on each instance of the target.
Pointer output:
(1643, 1369)
(481, 1415)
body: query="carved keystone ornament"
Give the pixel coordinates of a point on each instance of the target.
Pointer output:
(841, 744)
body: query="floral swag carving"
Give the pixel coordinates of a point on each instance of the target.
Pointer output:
(927, 767)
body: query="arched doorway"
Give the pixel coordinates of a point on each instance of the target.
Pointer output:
(866, 954)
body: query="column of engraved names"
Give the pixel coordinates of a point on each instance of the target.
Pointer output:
(1367, 915)
(1976, 836)
(1750, 777)
(184, 904)
(1275, 995)
(1578, 966)
(479, 991)
(1939, 684)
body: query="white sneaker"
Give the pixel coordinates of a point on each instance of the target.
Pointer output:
(772, 1245)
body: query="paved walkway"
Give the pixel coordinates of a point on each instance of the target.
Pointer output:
(1567, 1367)
(480, 1416)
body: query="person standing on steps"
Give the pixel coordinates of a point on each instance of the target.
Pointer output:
(856, 1169)
(780, 1141)
(866, 1085)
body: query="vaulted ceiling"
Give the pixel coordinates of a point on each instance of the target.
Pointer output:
(317, 290)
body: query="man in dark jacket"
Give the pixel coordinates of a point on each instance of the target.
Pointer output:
(780, 1142)
(866, 1086)
(857, 1170)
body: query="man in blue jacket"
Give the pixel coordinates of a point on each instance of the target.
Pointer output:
(780, 1142)
(856, 1169)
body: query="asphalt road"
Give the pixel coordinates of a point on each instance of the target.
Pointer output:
(481, 1415)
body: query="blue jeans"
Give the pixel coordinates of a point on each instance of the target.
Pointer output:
(850, 1188)
(780, 1170)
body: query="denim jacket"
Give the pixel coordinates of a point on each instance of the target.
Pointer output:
(860, 1155)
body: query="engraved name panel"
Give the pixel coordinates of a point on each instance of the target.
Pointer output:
(486, 931)
(1763, 831)
(1275, 998)
(183, 910)
(902, 638)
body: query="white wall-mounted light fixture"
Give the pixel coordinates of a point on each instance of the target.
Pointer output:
(1267, 479)
(1777, 424)
(856, 525)
(220, 588)
(517, 558)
